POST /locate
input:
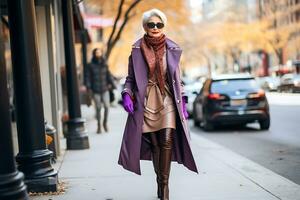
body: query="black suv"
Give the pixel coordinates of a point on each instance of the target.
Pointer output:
(231, 99)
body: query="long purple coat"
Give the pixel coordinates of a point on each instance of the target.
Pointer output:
(135, 146)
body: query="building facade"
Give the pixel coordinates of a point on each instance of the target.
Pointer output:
(38, 40)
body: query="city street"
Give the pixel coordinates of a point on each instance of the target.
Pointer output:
(223, 174)
(277, 149)
(63, 63)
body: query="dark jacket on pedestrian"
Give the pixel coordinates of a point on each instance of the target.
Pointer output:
(99, 78)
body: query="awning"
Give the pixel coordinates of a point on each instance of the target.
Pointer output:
(97, 21)
(84, 21)
(94, 20)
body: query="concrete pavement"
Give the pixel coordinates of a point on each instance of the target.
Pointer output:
(224, 175)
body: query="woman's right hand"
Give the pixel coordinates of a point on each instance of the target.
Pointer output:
(127, 103)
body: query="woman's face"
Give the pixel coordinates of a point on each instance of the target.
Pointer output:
(98, 53)
(154, 27)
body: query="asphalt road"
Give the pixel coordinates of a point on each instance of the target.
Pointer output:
(277, 149)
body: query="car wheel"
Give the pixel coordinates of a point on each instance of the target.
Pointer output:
(265, 124)
(207, 126)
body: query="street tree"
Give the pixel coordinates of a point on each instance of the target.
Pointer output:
(127, 14)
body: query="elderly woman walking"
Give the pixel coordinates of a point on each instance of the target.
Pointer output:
(156, 127)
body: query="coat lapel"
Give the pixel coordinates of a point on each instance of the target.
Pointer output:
(173, 56)
(140, 68)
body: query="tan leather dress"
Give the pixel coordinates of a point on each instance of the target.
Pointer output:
(159, 110)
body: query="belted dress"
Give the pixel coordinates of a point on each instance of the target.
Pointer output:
(159, 109)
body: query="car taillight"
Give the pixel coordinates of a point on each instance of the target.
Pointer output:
(258, 94)
(216, 96)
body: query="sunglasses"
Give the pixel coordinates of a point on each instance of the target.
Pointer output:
(152, 25)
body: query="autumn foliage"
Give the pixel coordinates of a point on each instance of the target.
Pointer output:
(230, 35)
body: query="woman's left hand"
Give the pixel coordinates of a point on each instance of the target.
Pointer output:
(184, 110)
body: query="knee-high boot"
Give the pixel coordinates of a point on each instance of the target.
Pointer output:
(155, 160)
(165, 144)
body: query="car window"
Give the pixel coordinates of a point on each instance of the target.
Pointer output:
(223, 86)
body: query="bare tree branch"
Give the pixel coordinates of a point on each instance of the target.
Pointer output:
(115, 25)
(127, 16)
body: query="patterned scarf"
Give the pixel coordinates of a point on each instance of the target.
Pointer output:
(153, 51)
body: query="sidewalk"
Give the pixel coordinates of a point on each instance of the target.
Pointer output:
(224, 175)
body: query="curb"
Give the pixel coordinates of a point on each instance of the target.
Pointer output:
(271, 182)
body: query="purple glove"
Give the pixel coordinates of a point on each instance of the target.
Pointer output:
(127, 103)
(185, 113)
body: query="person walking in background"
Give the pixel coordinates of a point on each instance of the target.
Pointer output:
(156, 127)
(99, 82)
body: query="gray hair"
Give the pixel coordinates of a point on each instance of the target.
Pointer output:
(154, 12)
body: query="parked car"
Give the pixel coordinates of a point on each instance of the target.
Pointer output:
(191, 90)
(269, 83)
(231, 99)
(289, 83)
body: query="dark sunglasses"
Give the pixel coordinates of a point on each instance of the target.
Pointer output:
(152, 25)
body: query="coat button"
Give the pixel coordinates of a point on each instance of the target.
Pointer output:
(174, 81)
(178, 101)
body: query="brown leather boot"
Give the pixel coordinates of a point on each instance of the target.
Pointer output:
(165, 142)
(155, 161)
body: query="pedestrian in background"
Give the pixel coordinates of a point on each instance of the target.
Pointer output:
(99, 82)
(156, 127)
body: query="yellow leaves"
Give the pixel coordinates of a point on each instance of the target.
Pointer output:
(175, 10)
(245, 36)
(222, 36)
(48, 139)
(229, 32)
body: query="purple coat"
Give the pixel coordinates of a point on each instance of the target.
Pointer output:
(135, 146)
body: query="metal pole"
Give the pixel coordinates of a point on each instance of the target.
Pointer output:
(77, 137)
(33, 157)
(11, 180)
